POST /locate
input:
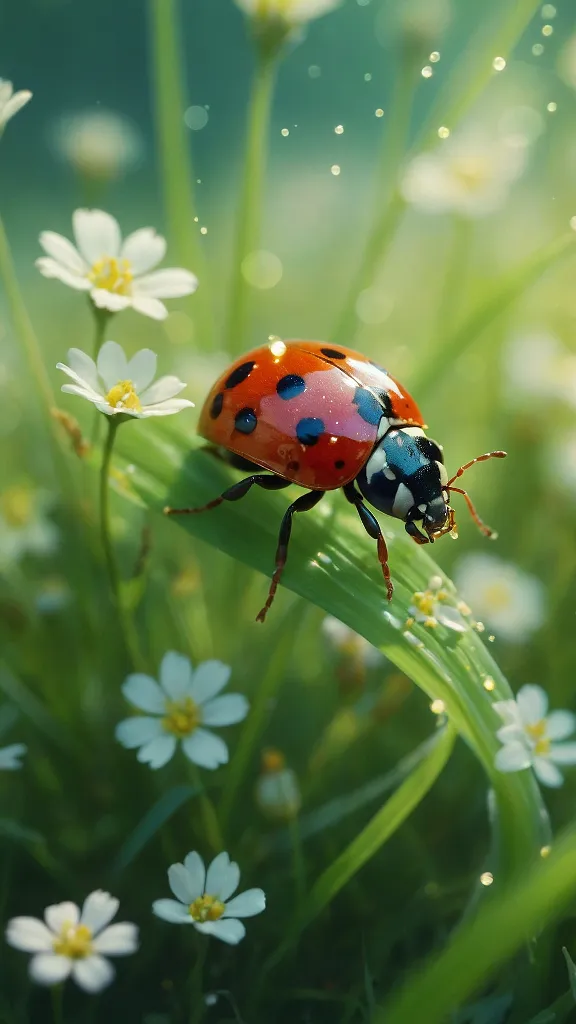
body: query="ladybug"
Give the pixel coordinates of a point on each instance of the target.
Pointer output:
(325, 417)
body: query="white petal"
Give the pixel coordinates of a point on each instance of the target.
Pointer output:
(82, 385)
(66, 254)
(149, 307)
(162, 389)
(50, 268)
(98, 910)
(104, 299)
(508, 711)
(226, 710)
(533, 704)
(205, 749)
(158, 752)
(28, 934)
(15, 103)
(180, 883)
(112, 364)
(219, 876)
(142, 369)
(195, 867)
(560, 724)
(170, 910)
(176, 675)
(144, 249)
(118, 940)
(90, 396)
(227, 930)
(512, 757)
(563, 753)
(49, 968)
(60, 914)
(144, 693)
(169, 408)
(512, 733)
(230, 883)
(84, 367)
(451, 618)
(209, 678)
(547, 773)
(10, 757)
(97, 234)
(6, 90)
(135, 732)
(170, 283)
(93, 973)
(247, 904)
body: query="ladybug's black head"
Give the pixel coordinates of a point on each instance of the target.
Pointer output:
(405, 477)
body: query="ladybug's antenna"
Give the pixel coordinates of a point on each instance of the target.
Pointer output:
(486, 530)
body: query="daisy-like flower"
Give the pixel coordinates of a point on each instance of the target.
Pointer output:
(11, 102)
(432, 608)
(100, 145)
(292, 12)
(509, 601)
(530, 736)
(70, 942)
(277, 790)
(537, 364)
(116, 385)
(24, 524)
(350, 644)
(203, 898)
(10, 757)
(112, 271)
(470, 175)
(182, 705)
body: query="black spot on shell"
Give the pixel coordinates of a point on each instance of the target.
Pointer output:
(333, 353)
(239, 374)
(216, 407)
(339, 464)
(245, 421)
(290, 386)
(368, 406)
(309, 430)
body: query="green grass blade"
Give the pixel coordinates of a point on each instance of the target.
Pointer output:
(478, 949)
(153, 820)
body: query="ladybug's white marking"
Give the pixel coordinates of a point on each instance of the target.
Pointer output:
(377, 464)
(443, 473)
(403, 502)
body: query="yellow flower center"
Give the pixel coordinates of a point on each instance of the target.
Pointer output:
(272, 760)
(425, 601)
(206, 908)
(74, 941)
(16, 504)
(497, 596)
(181, 719)
(471, 171)
(542, 748)
(123, 396)
(112, 274)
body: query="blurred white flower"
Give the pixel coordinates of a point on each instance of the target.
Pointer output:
(560, 462)
(99, 144)
(10, 757)
(349, 643)
(74, 943)
(118, 386)
(183, 703)
(24, 524)
(567, 62)
(538, 365)
(112, 271)
(528, 736)
(432, 608)
(277, 790)
(203, 898)
(293, 12)
(422, 21)
(11, 102)
(508, 600)
(470, 174)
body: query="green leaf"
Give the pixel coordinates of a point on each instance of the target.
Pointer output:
(571, 971)
(476, 951)
(152, 821)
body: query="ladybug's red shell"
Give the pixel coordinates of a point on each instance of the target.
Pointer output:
(309, 412)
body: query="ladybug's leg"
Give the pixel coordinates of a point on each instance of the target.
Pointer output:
(302, 504)
(416, 534)
(234, 493)
(481, 458)
(373, 529)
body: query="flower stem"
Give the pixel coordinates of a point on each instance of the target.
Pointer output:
(210, 822)
(249, 216)
(57, 993)
(197, 1004)
(101, 318)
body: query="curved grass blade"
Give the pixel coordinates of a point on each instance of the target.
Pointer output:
(146, 829)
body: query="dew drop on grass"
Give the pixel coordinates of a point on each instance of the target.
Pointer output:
(547, 30)
(499, 63)
(379, 112)
(314, 71)
(443, 132)
(339, 129)
(548, 11)
(434, 56)
(427, 71)
(438, 707)
(335, 170)
(551, 107)
(486, 878)
(285, 132)
(489, 684)
(367, 77)
(537, 49)
(203, 231)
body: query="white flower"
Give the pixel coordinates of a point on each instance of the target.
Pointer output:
(203, 898)
(99, 144)
(112, 271)
(431, 607)
(470, 175)
(538, 365)
(277, 790)
(10, 757)
(11, 102)
(508, 600)
(182, 705)
(74, 943)
(529, 734)
(116, 385)
(560, 462)
(349, 643)
(24, 525)
(293, 12)
(567, 62)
